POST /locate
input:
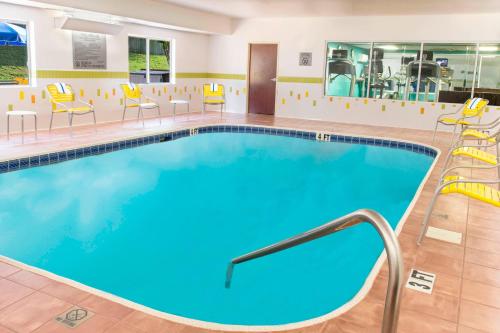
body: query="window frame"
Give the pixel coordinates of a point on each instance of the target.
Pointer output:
(171, 41)
(30, 54)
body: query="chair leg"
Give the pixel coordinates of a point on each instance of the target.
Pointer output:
(498, 162)
(159, 113)
(447, 161)
(123, 116)
(51, 117)
(425, 222)
(142, 116)
(435, 130)
(70, 119)
(95, 122)
(8, 127)
(453, 135)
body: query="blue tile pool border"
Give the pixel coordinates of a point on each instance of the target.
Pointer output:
(103, 148)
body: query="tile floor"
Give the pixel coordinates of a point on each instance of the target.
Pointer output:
(466, 296)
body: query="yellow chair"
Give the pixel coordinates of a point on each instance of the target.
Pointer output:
(63, 100)
(214, 94)
(473, 108)
(472, 188)
(477, 152)
(473, 134)
(481, 132)
(133, 98)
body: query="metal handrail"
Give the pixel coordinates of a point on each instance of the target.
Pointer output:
(394, 256)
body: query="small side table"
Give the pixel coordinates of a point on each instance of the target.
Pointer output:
(21, 114)
(179, 101)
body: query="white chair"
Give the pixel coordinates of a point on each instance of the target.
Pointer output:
(21, 114)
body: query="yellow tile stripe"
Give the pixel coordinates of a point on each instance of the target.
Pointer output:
(226, 76)
(53, 74)
(297, 79)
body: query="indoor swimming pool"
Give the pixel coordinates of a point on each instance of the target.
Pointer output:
(157, 224)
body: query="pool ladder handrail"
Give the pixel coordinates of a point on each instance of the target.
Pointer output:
(393, 251)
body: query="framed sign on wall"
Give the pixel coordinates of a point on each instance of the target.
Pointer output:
(89, 50)
(305, 59)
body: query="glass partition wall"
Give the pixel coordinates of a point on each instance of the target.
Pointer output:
(487, 82)
(430, 72)
(389, 69)
(446, 70)
(347, 69)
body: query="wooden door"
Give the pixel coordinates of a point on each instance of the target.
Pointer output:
(262, 78)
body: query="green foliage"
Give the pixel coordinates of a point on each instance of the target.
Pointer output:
(9, 73)
(13, 56)
(137, 62)
(13, 60)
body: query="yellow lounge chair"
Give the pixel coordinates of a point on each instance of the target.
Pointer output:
(133, 98)
(473, 108)
(481, 132)
(476, 154)
(472, 188)
(214, 94)
(473, 134)
(63, 100)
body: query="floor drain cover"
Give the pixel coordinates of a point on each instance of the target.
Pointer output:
(74, 317)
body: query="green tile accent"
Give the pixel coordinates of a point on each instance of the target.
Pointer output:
(53, 74)
(297, 79)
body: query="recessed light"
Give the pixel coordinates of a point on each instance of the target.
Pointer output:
(488, 48)
(389, 47)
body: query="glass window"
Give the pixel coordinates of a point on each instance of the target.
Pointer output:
(149, 60)
(159, 61)
(389, 65)
(347, 69)
(488, 73)
(447, 73)
(137, 60)
(14, 43)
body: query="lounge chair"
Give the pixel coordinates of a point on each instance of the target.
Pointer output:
(133, 98)
(473, 188)
(472, 109)
(214, 94)
(63, 100)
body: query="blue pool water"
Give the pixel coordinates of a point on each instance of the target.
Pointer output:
(158, 224)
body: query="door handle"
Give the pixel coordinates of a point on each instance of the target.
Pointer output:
(274, 80)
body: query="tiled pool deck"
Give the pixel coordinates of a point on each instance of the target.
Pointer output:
(466, 297)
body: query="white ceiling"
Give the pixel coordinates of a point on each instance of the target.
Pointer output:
(314, 8)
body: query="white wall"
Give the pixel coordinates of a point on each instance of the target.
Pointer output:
(53, 51)
(199, 53)
(229, 54)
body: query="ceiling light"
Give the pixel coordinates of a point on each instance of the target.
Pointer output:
(488, 48)
(389, 47)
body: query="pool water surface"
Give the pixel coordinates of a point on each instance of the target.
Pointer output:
(158, 224)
